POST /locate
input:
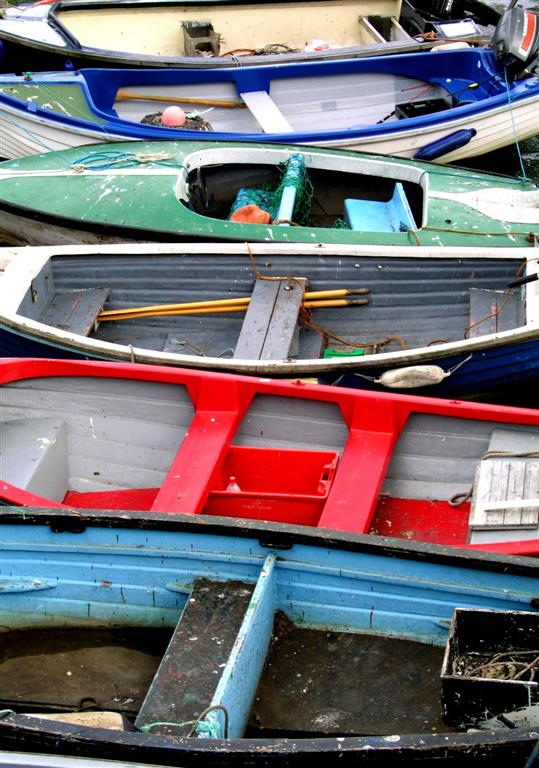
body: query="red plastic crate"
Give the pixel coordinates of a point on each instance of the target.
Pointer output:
(274, 484)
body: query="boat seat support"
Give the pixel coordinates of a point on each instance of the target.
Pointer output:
(271, 321)
(188, 481)
(266, 112)
(356, 487)
(378, 216)
(75, 311)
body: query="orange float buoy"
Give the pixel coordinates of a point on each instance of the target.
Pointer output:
(251, 214)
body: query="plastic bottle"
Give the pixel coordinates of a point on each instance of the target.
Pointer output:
(232, 486)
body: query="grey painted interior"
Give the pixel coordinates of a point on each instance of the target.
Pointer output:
(122, 434)
(437, 457)
(118, 433)
(411, 301)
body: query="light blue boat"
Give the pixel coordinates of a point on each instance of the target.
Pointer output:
(282, 642)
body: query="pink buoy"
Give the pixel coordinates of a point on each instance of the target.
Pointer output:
(173, 117)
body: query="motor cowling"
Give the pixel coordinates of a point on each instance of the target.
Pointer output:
(516, 41)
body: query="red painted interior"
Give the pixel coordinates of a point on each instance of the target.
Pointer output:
(432, 521)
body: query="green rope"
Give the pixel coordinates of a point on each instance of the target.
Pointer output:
(149, 726)
(209, 728)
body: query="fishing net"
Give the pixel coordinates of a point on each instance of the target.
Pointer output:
(193, 122)
(293, 175)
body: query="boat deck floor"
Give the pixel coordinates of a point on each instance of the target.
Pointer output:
(314, 681)
(340, 682)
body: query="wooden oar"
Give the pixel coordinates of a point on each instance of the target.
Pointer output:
(242, 301)
(128, 96)
(126, 314)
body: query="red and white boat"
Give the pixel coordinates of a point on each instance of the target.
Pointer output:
(135, 437)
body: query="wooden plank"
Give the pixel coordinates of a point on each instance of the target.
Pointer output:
(492, 312)
(284, 319)
(239, 681)
(270, 321)
(266, 112)
(75, 311)
(255, 325)
(192, 666)
(506, 488)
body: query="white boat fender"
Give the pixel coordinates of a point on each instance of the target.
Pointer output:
(413, 376)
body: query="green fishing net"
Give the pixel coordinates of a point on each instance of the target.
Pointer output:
(293, 173)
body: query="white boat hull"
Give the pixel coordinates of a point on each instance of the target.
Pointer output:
(23, 134)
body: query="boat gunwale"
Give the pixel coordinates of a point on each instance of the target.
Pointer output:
(271, 535)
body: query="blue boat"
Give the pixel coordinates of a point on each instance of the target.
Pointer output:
(444, 104)
(243, 642)
(447, 325)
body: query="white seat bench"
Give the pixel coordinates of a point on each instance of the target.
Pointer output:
(33, 456)
(266, 112)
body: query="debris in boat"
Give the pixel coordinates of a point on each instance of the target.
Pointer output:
(506, 665)
(525, 717)
(251, 214)
(266, 50)
(193, 122)
(289, 203)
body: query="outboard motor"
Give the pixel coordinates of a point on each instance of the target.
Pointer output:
(516, 41)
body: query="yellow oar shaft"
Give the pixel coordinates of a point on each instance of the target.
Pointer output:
(241, 301)
(325, 303)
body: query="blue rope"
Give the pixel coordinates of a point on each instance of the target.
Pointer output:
(524, 176)
(35, 138)
(113, 158)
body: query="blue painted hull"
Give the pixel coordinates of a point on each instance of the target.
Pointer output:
(492, 369)
(62, 569)
(487, 371)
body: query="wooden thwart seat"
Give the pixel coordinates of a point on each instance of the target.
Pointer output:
(214, 659)
(271, 320)
(186, 680)
(506, 488)
(75, 311)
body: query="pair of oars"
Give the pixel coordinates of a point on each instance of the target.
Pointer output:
(227, 104)
(340, 297)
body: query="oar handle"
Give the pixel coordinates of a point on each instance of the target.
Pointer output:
(128, 96)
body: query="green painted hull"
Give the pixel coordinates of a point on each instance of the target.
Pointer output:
(115, 192)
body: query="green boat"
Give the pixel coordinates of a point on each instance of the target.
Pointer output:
(169, 191)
